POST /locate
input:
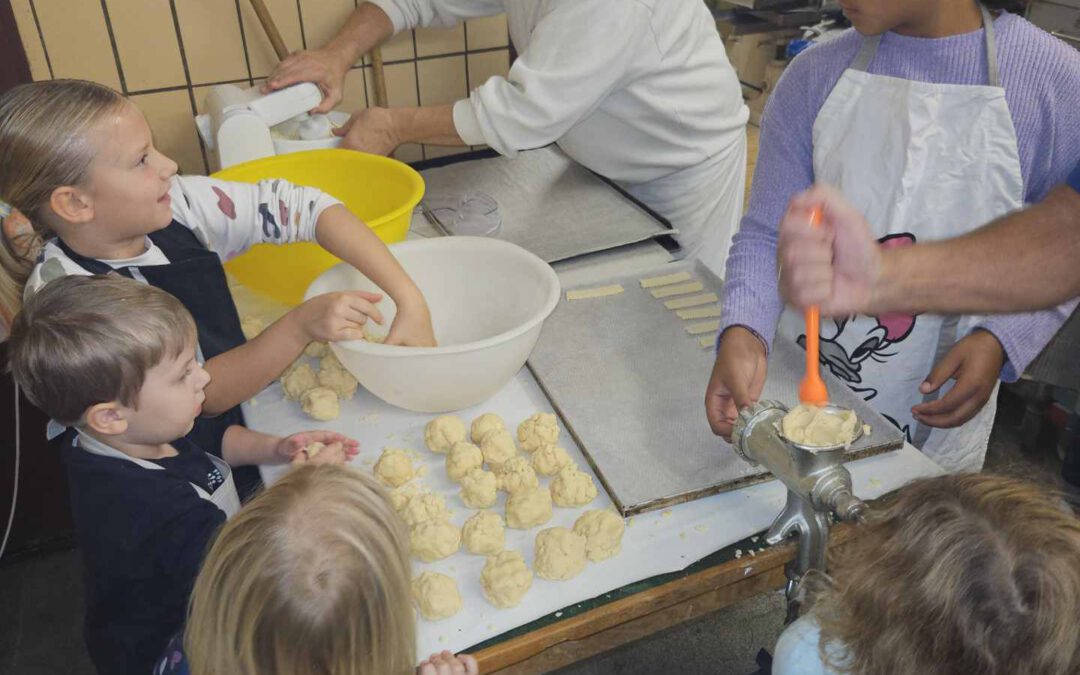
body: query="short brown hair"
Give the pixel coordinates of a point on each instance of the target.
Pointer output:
(966, 573)
(84, 340)
(311, 577)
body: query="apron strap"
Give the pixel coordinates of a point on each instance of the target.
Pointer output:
(993, 76)
(870, 46)
(866, 53)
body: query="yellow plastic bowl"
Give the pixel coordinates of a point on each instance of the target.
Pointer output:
(381, 191)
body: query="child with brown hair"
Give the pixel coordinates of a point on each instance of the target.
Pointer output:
(78, 160)
(311, 577)
(969, 573)
(115, 360)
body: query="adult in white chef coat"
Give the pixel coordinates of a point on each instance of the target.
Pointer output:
(639, 91)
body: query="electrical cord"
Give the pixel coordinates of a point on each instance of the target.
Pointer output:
(15, 485)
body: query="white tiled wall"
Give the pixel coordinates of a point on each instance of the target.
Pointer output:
(164, 53)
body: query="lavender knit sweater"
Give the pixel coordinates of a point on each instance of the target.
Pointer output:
(1041, 76)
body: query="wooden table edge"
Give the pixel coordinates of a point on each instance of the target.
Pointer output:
(750, 572)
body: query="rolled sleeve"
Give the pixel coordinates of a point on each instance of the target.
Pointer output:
(576, 56)
(466, 123)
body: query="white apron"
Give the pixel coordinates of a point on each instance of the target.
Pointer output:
(703, 202)
(225, 496)
(922, 162)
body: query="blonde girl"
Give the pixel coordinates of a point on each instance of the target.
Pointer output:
(78, 160)
(311, 577)
(968, 573)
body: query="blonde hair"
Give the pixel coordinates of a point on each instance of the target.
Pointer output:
(311, 577)
(964, 573)
(84, 340)
(42, 147)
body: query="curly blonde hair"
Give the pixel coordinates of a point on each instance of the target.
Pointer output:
(310, 578)
(969, 573)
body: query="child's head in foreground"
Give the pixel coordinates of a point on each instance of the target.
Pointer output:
(311, 577)
(964, 573)
(111, 356)
(77, 159)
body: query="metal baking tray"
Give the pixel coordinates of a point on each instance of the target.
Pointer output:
(549, 204)
(629, 382)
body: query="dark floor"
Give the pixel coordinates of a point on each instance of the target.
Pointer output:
(41, 601)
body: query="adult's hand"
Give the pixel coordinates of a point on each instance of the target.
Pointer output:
(324, 67)
(835, 266)
(370, 130)
(737, 379)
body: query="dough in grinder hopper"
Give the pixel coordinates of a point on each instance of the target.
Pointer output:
(811, 425)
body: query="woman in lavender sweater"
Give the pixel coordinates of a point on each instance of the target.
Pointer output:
(933, 117)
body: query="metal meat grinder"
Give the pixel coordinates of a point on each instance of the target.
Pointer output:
(817, 482)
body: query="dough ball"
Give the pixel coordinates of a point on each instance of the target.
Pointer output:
(394, 467)
(420, 508)
(320, 453)
(560, 554)
(337, 378)
(498, 446)
(377, 339)
(505, 579)
(516, 475)
(316, 350)
(484, 533)
(330, 360)
(434, 540)
(320, 403)
(540, 429)
(463, 458)
(483, 424)
(603, 531)
(297, 380)
(478, 489)
(549, 460)
(401, 496)
(811, 425)
(441, 433)
(252, 326)
(436, 595)
(528, 508)
(572, 487)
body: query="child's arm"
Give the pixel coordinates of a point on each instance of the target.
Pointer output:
(231, 217)
(242, 372)
(344, 235)
(242, 446)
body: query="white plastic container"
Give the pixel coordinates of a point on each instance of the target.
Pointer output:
(488, 301)
(287, 145)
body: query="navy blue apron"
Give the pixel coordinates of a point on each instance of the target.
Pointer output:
(195, 277)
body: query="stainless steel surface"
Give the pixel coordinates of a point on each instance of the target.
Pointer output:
(628, 382)
(549, 204)
(817, 482)
(433, 221)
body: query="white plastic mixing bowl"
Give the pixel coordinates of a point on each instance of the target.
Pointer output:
(488, 301)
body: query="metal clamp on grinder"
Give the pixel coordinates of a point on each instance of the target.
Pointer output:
(817, 482)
